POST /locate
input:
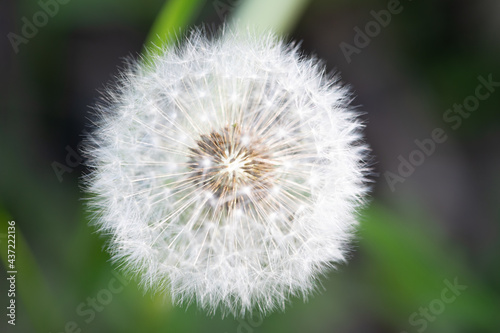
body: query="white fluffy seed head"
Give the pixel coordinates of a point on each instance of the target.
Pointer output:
(228, 173)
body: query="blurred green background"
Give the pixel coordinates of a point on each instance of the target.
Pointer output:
(436, 228)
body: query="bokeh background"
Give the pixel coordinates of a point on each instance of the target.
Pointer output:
(440, 224)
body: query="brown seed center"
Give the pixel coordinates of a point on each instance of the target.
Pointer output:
(233, 165)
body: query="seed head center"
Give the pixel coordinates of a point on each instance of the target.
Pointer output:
(234, 165)
(230, 162)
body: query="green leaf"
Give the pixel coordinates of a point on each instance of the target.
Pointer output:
(170, 22)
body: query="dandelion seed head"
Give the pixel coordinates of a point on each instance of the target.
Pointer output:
(228, 173)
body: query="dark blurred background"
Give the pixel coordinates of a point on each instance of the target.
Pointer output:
(427, 254)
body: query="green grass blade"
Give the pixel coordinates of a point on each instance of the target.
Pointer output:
(172, 19)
